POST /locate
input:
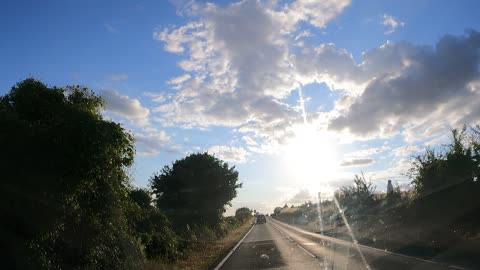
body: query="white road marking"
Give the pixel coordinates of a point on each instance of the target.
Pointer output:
(233, 249)
(306, 251)
(343, 242)
(291, 240)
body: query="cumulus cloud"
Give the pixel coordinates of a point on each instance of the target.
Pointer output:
(152, 143)
(431, 88)
(317, 13)
(391, 23)
(158, 97)
(229, 153)
(125, 106)
(239, 63)
(118, 77)
(357, 162)
(180, 79)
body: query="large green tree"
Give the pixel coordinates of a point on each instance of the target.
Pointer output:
(63, 184)
(195, 189)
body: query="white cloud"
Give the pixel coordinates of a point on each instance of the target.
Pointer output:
(242, 63)
(391, 23)
(367, 152)
(180, 79)
(229, 153)
(301, 197)
(152, 143)
(175, 39)
(406, 150)
(249, 141)
(427, 92)
(396, 172)
(158, 97)
(317, 13)
(357, 162)
(125, 106)
(118, 76)
(111, 29)
(238, 65)
(438, 140)
(305, 33)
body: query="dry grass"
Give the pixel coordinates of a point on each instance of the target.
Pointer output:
(205, 255)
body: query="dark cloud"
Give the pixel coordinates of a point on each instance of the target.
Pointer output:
(431, 80)
(357, 162)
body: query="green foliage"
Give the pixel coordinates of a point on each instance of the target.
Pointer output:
(152, 227)
(243, 213)
(446, 179)
(195, 190)
(458, 163)
(64, 186)
(142, 198)
(358, 196)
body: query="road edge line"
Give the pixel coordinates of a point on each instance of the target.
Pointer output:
(306, 251)
(345, 242)
(233, 249)
(291, 240)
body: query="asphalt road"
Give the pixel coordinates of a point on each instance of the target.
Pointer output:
(276, 245)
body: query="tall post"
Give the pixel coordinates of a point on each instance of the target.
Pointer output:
(319, 209)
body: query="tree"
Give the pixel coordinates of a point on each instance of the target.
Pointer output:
(243, 213)
(152, 227)
(63, 184)
(195, 189)
(141, 197)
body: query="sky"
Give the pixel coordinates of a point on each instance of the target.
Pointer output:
(298, 95)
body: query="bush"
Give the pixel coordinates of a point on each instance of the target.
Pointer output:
(227, 225)
(357, 197)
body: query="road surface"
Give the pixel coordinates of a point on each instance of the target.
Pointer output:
(276, 245)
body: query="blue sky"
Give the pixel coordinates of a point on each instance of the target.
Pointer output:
(380, 80)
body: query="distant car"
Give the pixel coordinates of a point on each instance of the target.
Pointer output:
(261, 219)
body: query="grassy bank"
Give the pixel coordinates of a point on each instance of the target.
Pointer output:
(206, 254)
(402, 229)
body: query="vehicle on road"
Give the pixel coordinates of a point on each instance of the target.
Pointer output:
(261, 219)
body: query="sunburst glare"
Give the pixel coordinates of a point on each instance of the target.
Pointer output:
(311, 156)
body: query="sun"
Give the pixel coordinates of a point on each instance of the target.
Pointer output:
(311, 156)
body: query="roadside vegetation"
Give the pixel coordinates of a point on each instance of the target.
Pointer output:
(67, 201)
(439, 213)
(205, 254)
